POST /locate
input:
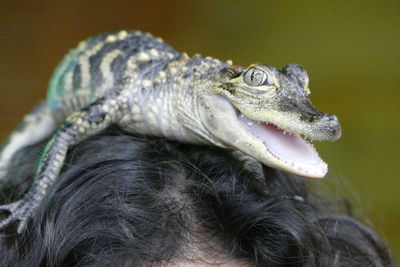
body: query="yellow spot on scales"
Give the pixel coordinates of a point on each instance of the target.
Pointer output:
(131, 64)
(146, 83)
(154, 52)
(185, 56)
(117, 37)
(143, 56)
(173, 70)
(106, 108)
(111, 38)
(86, 124)
(162, 74)
(81, 45)
(122, 35)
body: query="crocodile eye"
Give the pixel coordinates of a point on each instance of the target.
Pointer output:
(254, 77)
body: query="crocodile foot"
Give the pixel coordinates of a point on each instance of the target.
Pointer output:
(19, 211)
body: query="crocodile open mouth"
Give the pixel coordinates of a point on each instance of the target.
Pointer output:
(286, 147)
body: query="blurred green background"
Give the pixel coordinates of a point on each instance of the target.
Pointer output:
(351, 50)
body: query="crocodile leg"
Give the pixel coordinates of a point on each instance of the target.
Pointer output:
(252, 165)
(35, 126)
(79, 126)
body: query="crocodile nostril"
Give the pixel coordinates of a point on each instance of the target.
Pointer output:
(337, 133)
(333, 118)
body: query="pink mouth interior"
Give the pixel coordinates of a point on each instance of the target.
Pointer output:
(289, 148)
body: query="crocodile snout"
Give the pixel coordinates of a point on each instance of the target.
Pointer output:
(331, 127)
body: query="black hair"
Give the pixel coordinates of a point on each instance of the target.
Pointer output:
(125, 200)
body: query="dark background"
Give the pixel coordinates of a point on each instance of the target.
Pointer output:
(351, 50)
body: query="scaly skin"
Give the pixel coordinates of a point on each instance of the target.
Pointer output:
(141, 84)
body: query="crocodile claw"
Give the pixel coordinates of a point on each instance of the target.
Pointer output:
(19, 211)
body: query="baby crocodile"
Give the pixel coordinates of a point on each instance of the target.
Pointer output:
(141, 84)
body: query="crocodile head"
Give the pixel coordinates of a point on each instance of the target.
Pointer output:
(263, 112)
